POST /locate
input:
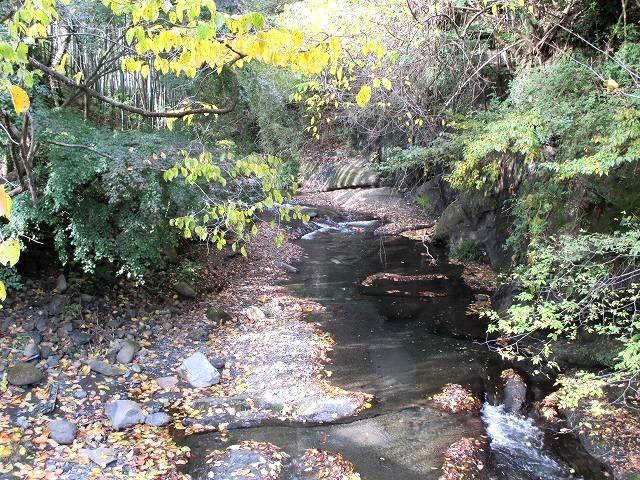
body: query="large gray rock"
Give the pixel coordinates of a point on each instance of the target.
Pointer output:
(124, 413)
(23, 374)
(127, 351)
(514, 391)
(105, 368)
(198, 371)
(185, 290)
(62, 431)
(478, 219)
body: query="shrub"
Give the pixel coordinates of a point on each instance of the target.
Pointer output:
(96, 209)
(467, 251)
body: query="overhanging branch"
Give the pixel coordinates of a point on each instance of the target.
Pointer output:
(129, 108)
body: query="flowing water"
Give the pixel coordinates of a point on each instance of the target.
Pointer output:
(401, 342)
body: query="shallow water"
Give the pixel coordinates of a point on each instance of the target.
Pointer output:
(402, 347)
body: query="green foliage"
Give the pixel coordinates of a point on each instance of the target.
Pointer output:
(424, 203)
(575, 283)
(253, 184)
(189, 271)
(98, 210)
(11, 278)
(467, 251)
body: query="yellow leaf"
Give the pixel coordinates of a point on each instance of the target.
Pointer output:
(20, 99)
(364, 95)
(611, 84)
(5, 203)
(386, 83)
(3, 291)
(10, 252)
(494, 9)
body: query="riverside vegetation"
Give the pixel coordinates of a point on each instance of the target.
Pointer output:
(138, 135)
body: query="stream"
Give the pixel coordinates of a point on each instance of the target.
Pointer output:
(402, 345)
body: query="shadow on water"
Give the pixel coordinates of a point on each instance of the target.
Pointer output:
(401, 345)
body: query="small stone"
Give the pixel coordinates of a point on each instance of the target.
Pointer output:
(79, 394)
(136, 368)
(159, 419)
(124, 413)
(42, 324)
(79, 338)
(198, 371)
(22, 422)
(23, 374)
(288, 268)
(101, 456)
(482, 297)
(185, 290)
(62, 431)
(255, 314)
(217, 315)
(127, 351)
(86, 298)
(31, 349)
(61, 284)
(105, 368)
(167, 382)
(171, 255)
(52, 361)
(218, 362)
(57, 304)
(46, 351)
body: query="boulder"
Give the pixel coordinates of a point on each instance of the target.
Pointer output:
(127, 351)
(22, 374)
(198, 371)
(105, 368)
(158, 419)
(217, 314)
(514, 391)
(62, 431)
(254, 314)
(61, 283)
(124, 413)
(185, 290)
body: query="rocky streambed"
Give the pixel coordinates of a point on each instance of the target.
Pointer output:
(338, 356)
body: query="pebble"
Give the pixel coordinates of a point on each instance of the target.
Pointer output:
(62, 431)
(79, 394)
(159, 419)
(31, 349)
(22, 422)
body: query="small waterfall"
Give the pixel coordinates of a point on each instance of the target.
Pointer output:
(518, 447)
